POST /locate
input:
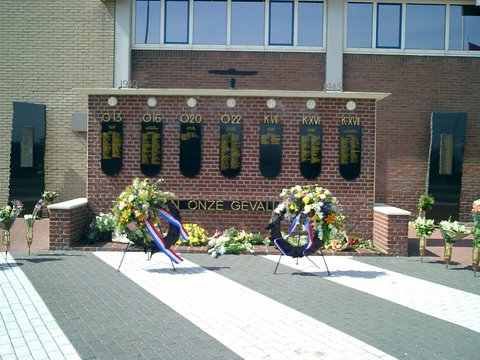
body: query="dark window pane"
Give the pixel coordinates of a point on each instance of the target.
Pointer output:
(176, 21)
(425, 27)
(281, 23)
(210, 22)
(389, 25)
(359, 25)
(248, 23)
(147, 22)
(310, 23)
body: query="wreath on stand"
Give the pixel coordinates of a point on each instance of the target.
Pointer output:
(315, 210)
(138, 211)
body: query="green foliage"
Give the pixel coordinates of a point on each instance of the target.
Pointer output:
(425, 202)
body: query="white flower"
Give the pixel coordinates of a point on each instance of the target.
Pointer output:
(131, 197)
(121, 205)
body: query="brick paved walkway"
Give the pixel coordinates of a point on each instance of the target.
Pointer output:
(235, 307)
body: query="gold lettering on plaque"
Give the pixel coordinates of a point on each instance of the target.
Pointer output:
(446, 154)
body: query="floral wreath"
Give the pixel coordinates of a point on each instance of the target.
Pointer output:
(323, 219)
(137, 211)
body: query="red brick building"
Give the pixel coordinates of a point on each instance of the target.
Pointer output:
(394, 86)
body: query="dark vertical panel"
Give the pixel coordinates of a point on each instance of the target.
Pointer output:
(190, 149)
(27, 158)
(230, 149)
(112, 145)
(445, 164)
(310, 151)
(350, 137)
(270, 149)
(151, 148)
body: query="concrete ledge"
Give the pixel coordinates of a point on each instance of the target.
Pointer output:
(68, 205)
(390, 210)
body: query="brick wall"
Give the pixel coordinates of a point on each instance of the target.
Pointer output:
(49, 50)
(190, 69)
(356, 197)
(390, 229)
(68, 222)
(418, 86)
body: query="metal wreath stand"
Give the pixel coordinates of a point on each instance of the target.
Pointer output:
(287, 248)
(170, 239)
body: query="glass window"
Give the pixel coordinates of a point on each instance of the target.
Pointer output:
(455, 36)
(248, 22)
(464, 29)
(471, 33)
(281, 22)
(389, 25)
(176, 21)
(425, 27)
(147, 22)
(359, 25)
(310, 23)
(210, 22)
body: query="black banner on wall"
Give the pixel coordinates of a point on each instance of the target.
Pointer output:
(350, 151)
(111, 147)
(190, 149)
(151, 148)
(270, 149)
(310, 150)
(230, 149)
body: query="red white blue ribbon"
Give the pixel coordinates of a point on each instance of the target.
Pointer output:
(160, 241)
(310, 235)
(171, 219)
(294, 224)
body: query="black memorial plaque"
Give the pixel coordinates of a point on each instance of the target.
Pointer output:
(350, 151)
(270, 149)
(151, 148)
(447, 143)
(190, 149)
(111, 147)
(230, 149)
(310, 150)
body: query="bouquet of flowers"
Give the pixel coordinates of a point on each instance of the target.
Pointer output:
(9, 213)
(453, 230)
(137, 203)
(197, 236)
(319, 206)
(230, 241)
(49, 196)
(105, 222)
(423, 227)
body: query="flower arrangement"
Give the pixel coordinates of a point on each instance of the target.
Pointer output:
(425, 203)
(9, 213)
(453, 230)
(105, 222)
(49, 196)
(137, 203)
(233, 241)
(197, 236)
(423, 227)
(319, 206)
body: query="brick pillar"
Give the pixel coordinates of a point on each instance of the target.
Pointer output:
(390, 229)
(68, 221)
